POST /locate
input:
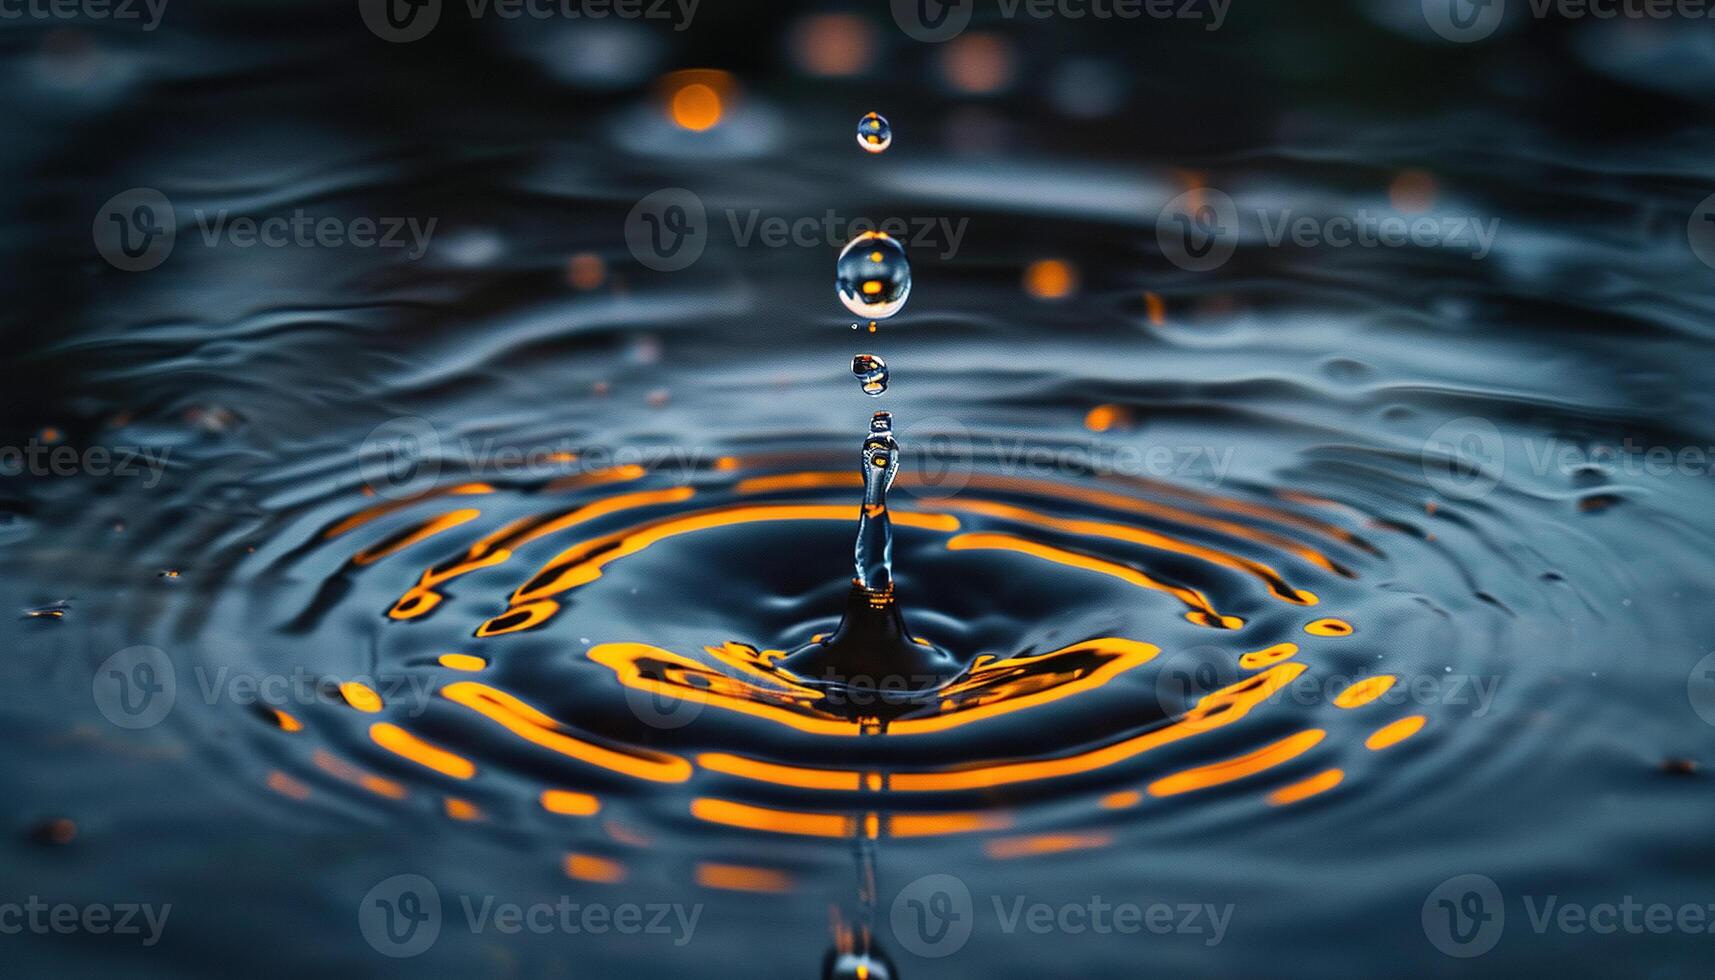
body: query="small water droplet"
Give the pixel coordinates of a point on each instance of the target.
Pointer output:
(873, 133)
(53, 610)
(871, 372)
(872, 276)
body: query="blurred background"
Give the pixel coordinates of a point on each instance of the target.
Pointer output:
(312, 307)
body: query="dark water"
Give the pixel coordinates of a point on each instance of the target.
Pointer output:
(1284, 592)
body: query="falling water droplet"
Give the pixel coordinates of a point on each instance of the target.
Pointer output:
(873, 557)
(872, 276)
(873, 133)
(871, 372)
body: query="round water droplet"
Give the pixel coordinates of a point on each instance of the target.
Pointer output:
(873, 133)
(871, 372)
(872, 276)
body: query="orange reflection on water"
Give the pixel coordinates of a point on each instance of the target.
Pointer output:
(987, 689)
(1395, 733)
(1121, 800)
(779, 775)
(1249, 764)
(360, 696)
(570, 803)
(402, 743)
(731, 814)
(1202, 612)
(742, 878)
(834, 479)
(285, 785)
(1304, 789)
(462, 810)
(587, 867)
(533, 726)
(1364, 691)
(1268, 655)
(1004, 848)
(1149, 539)
(1329, 627)
(497, 548)
(416, 535)
(936, 824)
(532, 605)
(1217, 709)
(368, 514)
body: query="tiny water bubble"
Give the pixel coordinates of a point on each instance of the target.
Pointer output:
(873, 133)
(872, 276)
(871, 372)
